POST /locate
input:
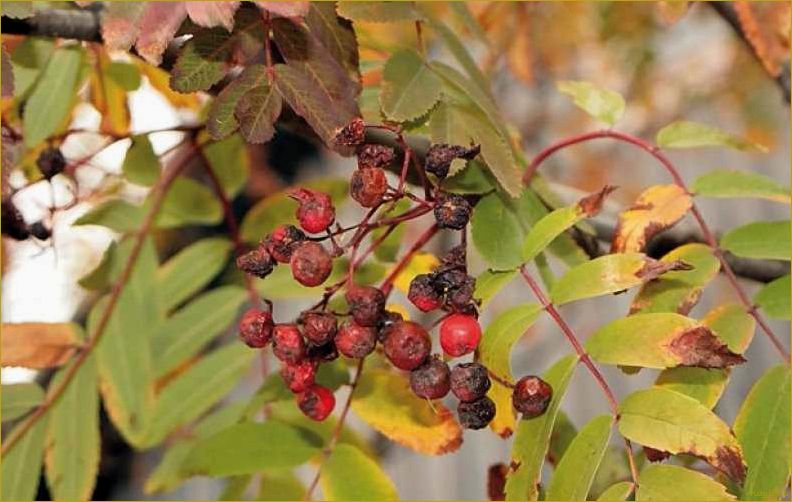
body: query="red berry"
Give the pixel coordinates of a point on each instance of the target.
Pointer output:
(368, 186)
(476, 414)
(407, 345)
(531, 396)
(258, 262)
(366, 304)
(287, 343)
(356, 341)
(459, 334)
(319, 327)
(452, 211)
(316, 402)
(282, 242)
(311, 264)
(469, 381)
(299, 376)
(255, 328)
(315, 212)
(424, 293)
(431, 380)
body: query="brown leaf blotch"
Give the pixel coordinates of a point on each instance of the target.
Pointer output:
(496, 481)
(653, 455)
(592, 204)
(730, 462)
(700, 347)
(652, 268)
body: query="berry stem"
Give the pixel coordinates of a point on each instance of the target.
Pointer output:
(709, 236)
(387, 284)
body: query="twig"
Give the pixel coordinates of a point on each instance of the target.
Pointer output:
(387, 283)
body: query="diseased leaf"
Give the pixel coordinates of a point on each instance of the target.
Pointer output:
(672, 482)
(38, 344)
(211, 14)
(250, 447)
(762, 427)
(659, 340)
(158, 24)
(669, 421)
(604, 105)
(141, 164)
(685, 134)
(733, 324)
(409, 88)
(533, 437)
(336, 34)
(19, 399)
(575, 472)
(384, 401)
(656, 209)
(348, 474)
(257, 111)
(773, 298)
(763, 240)
(221, 120)
(203, 61)
(378, 12)
(489, 283)
(617, 492)
(21, 466)
(495, 353)
(725, 183)
(705, 385)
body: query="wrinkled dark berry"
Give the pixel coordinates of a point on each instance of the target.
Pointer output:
(255, 328)
(440, 156)
(325, 353)
(476, 414)
(407, 345)
(258, 263)
(459, 334)
(51, 162)
(287, 343)
(366, 304)
(452, 211)
(460, 299)
(531, 396)
(356, 341)
(40, 231)
(283, 241)
(315, 212)
(316, 402)
(319, 328)
(352, 134)
(368, 186)
(424, 293)
(469, 381)
(449, 278)
(299, 376)
(431, 380)
(375, 156)
(653, 455)
(13, 224)
(311, 264)
(456, 257)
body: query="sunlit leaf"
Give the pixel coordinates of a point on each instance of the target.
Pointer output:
(574, 474)
(280, 485)
(210, 14)
(656, 209)
(765, 240)
(773, 298)
(489, 283)
(378, 12)
(733, 324)
(348, 474)
(285, 9)
(672, 482)
(21, 466)
(604, 105)
(617, 492)
(409, 88)
(725, 183)
(141, 165)
(498, 244)
(19, 399)
(191, 269)
(120, 24)
(685, 134)
(705, 385)
(420, 263)
(38, 344)
(158, 24)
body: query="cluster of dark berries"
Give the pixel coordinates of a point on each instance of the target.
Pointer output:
(448, 287)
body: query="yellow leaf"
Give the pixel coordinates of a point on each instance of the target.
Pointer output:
(37, 344)
(160, 80)
(109, 99)
(384, 400)
(656, 209)
(420, 263)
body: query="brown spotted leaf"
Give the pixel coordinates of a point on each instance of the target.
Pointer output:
(37, 344)
(656, 209)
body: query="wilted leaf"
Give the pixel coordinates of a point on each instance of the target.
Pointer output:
(158, 24)
(141, 164)
(221, 120)
(409, 88)
(191, 269)
(705, 385)
(669, 421)
(692, 134)
(656, 209)
(773, 298)
(257, 111)
(764, 240)
(604, 105)
(384, 401)
(21, 466)
(489, 283)
(378, 12)
(575, 472)
(19, 399)
(38, 344)
(672, 482)
(210, 14)
(725, 183)
(617, 492)
(348, 474)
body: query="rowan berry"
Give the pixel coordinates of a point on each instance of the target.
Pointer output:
(282, 241)
(407, 345)
(424, 293)
(257, 262)
(352, 134)
(440, 156)
(368, 186)
(431, 380)
(356, 341)
(319, 328)
(476, 414)
(452, 211)
(469, 381)
(315, 212)
(300, 375)
(366, 304)
(459, 334)
(531, 396)
(311, 264)
(255, 328)
(287, 343)
(372, 155)
(316, 402)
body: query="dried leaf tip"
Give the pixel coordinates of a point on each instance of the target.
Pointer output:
(592, 204)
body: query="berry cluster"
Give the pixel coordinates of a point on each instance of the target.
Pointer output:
(319, 336)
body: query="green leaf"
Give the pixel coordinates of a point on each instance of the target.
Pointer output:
(202, 62)
(388, 249)
(773, 298)
(733, 324)
(279, 209)
(348, 474)
(495, 353)
(19, 399)
(257, 111)
(685, 134)
(705, 385)
(564, 431)
(125, 75)
(72, 443)
(228, 158)
(617, 492)
(215, 375)
(191, 269)
(221, 120)
(250, 447)
(533, 437)
(472, 179)
(725, 183)
(235, 487)
(52, 99)
(547, 229)
(499, 244)
(659, 340)
(28, 60)
(762, 427)
(22, 465)
(115, 214)
(764, 240)
(489, 282)
(460, 52)
(409, 88)
(141, 164)
(20, 10)
(669, 421)
(575, 472)
(280, 284)
(604, 105)
(672, 482)
(378, 12)
(191, 328)
(446, 125)
(280, 485)
(189, 203)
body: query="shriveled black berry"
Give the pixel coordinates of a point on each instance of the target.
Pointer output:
(440, 156)
(469, 381)
(456, 257)
(325, 353)
(40, 231)
(431, 380)
(452, 211)
(476, 414)
(372, 155)
(319, 328)
(460, 298)
(51, 162)
(424, 293)
(258, 262)
(531, 396)
(352, 134)
(366, 304)
(13, 223)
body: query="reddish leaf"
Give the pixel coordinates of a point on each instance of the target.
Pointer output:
(120, 24)
(285, 9)
(211, 14)
(37, 344)
(158, 24)
(221, 120)
(336, 34)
